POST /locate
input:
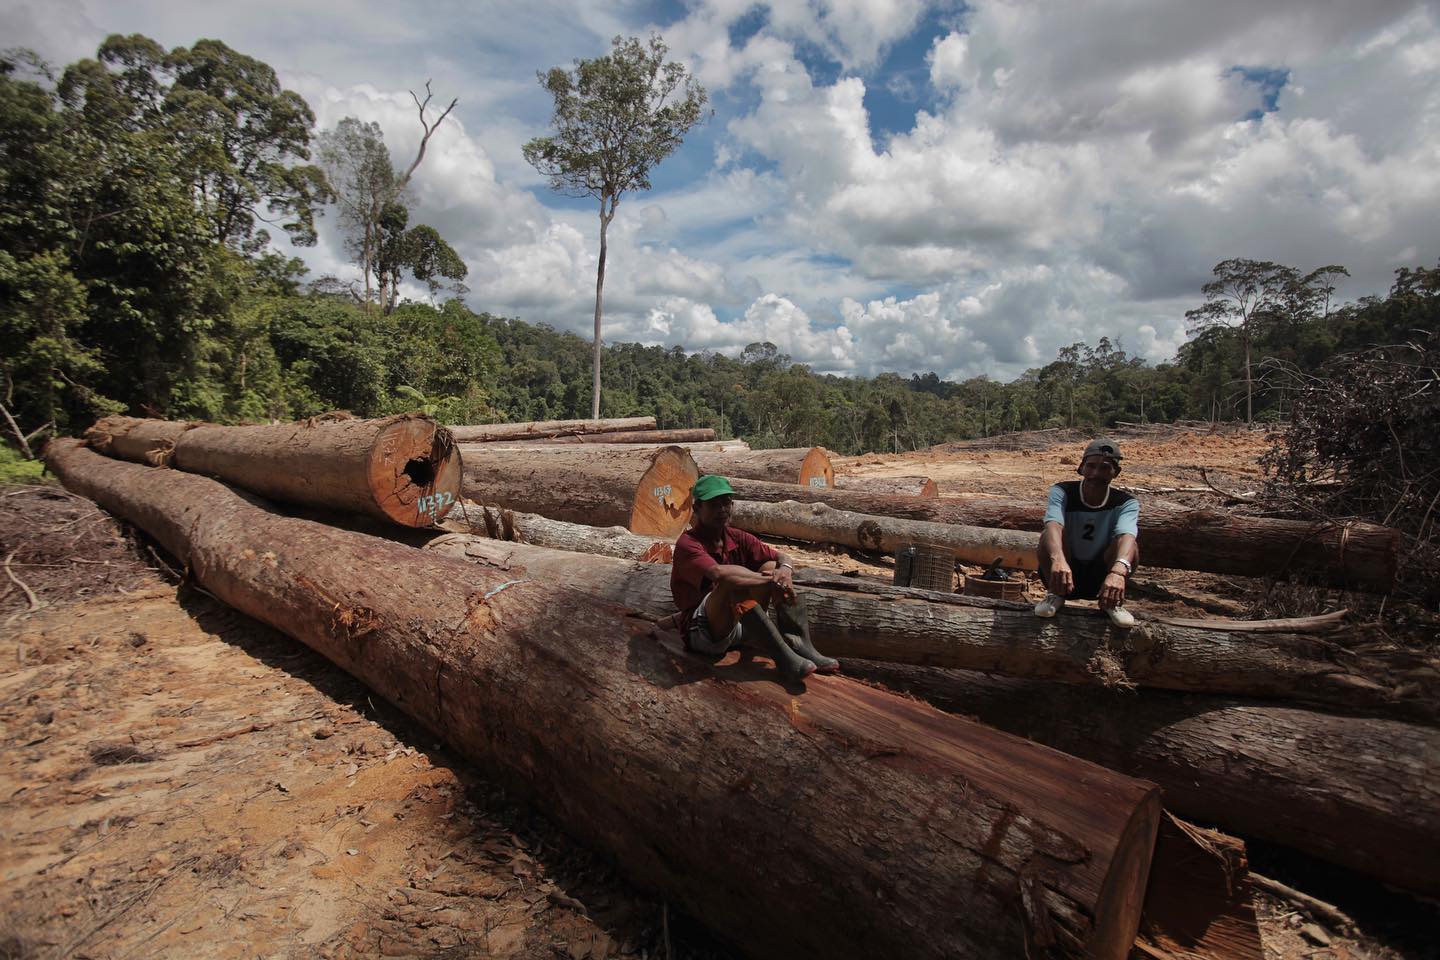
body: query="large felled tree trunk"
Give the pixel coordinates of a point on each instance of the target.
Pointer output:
(695, 435)
(821, 523)
(807, 466)
(1356, 791)
(646, 490)
(590, 440)
(1358, 555)
(542, 429)
(835, 821)
(922, 487)
(404, 469)
(496, 523)
(137, 440)
(901, 625)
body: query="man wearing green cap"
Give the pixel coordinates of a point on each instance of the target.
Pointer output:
(734, 590)
(1089, 546)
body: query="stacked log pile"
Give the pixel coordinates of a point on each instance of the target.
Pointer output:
(897, 830)
(544, 666)
(1359, 555)
(1362, 791)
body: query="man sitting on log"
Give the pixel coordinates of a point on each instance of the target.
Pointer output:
(1088, 548)
(734, 590)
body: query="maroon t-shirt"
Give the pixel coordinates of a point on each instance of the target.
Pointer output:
(692, 559)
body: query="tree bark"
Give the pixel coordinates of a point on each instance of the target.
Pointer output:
(544, 429)
(495, 523)
(661, 437)
(646, 490)
(854, 618)
(1361, 792)
(137, 440)
(821, 523)
(1359, 555)
(807, 466)
(835, 820)
(589, 440)
(403, 469)
(922, 487)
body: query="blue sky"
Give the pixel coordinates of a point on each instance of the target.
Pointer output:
(885, 184)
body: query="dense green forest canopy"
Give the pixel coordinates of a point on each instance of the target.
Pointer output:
(135, 276)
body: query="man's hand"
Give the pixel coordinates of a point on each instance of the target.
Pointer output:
(784, 580)
(1112, 591)
(1062, 580)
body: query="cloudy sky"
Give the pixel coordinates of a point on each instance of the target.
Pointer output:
(884, 184)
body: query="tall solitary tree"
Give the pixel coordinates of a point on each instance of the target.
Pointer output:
(615, 118)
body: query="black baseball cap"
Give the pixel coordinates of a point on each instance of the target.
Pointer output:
(1102, 447)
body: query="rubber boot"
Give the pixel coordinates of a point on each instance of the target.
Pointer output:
(760, 632)
(794, 622)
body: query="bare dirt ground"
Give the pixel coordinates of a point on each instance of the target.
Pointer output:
(180, 781)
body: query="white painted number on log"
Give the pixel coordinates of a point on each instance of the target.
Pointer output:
(818, 482)
(662, 492)
(435, 502)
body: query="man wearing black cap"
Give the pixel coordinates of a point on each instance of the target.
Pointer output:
(734, 590)
(1088, 548)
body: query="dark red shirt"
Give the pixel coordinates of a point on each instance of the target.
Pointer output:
(693, 558)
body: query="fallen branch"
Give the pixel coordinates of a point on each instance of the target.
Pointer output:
(29, 594)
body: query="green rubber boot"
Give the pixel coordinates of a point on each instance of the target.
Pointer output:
(794, 621)
(760, 632)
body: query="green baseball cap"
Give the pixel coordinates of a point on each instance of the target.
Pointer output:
(709, 487)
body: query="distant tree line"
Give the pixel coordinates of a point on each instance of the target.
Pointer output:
(137, 189)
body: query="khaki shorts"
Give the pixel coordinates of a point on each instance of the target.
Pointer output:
(699, 639)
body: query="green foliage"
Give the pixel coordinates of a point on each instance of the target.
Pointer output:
(614, 120)
(14, 468)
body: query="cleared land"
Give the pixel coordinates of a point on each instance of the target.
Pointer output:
(178, 780)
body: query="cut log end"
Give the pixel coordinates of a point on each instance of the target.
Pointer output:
(816, 471)
(415, 471)
(662, 497)
(1117, 917)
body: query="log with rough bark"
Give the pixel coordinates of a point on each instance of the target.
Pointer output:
(807, 466)
(821, 523)
(404, 469)
(1358, 791)
(589, 441)
(135, 439)
(646, 490)
(831, 820)
(542, 429)
(1359, 555)
(695, 435)
(509, 525)
(922, 487)
(1310, 660)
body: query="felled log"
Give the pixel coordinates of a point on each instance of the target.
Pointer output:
(646, 490)
(496, 523)
(837, 821)
(807, 466)
(1359, 555)
(1357, 791)
(541, 429)
(135, 439)
(856, 618)
(590, 440)
(403, 469)
(922, 487)
(821, 523)
(695, 435)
